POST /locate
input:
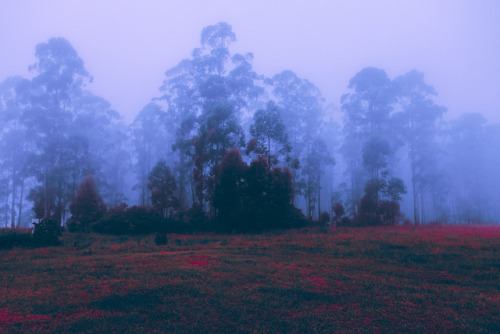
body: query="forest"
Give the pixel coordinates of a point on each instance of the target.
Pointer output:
(221, 145)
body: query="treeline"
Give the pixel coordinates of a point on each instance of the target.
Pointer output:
(221, 144)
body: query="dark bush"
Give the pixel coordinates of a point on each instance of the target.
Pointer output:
(197, 219)
(161, 238)
(143, 220)
(324, 218)
(47, 233)
(345, 221)
(14, 238)
(114, 224)
(136, 220)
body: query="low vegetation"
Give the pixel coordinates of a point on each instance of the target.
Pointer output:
(374, 279)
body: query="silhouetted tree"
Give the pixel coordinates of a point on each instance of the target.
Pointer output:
(163, 188)
(87, 206)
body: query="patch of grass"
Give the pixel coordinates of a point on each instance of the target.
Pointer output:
(397, 279)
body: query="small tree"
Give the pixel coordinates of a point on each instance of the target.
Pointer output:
(87, 206)
(47, 232)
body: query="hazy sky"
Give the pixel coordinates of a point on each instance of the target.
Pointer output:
(128, 45)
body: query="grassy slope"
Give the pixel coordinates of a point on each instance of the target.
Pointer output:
(373, 279)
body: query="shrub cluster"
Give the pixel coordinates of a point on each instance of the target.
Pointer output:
(10, 238)
(135, 220)
(47, 233)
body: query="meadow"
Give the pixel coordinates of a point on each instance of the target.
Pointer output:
(377, 280)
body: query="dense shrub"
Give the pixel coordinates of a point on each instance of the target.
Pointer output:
(143, 220)
(47, 233)
(14, 238)
(161, 238)
(114, 224)
(324, 218)
(136, 220)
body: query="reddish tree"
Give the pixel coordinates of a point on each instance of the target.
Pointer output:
(87, 206)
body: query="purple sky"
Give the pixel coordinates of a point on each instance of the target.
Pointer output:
(128, 45)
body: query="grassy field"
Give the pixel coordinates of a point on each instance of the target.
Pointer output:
(398, 279)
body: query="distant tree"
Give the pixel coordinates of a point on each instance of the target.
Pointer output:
(219, 131)
(368, 206)
(149, 136)
(472, 148)
(205, 95)
(417, 123)
(317, 159)
(339, 211)
(367, 109)
(374, 155)
(374, 210)
(163, 188)
(394, 188)
(301, 103)
(59, 77)
(16, 146)
(269, 134)
(87, 206)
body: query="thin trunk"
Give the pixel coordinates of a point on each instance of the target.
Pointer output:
(13, 203)
(182, 177)
(319, 195)
(19, 217)
(422, 206)
(45, 200)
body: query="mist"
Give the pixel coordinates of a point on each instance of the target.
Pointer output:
(388, 105)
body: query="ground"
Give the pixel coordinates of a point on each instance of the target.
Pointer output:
(396, 279)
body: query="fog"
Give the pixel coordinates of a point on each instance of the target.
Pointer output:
(128, 46)
(123, 109)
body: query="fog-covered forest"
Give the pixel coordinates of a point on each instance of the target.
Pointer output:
(217, 130)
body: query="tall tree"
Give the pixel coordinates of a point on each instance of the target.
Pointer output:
(417, 122)
(301, 102)
(16, 145)
(212, 85)
(367, 109)
(59, 76)
(149, 138)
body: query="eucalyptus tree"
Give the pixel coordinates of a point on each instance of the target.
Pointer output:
(417, 123)
(473, 168)
(269, 137)
(60, 75)
(211, 85)
(302, 106)
(105, 133)
(367, 110)
(149, 140)
(15, 146)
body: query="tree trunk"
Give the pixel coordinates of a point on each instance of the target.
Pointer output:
(19, 217)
